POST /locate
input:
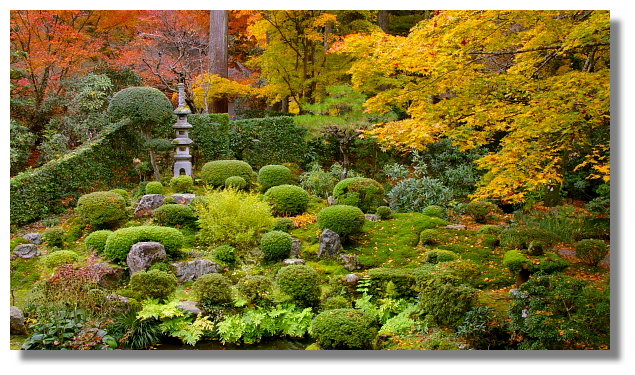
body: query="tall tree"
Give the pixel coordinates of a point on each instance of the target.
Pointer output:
(218, 43)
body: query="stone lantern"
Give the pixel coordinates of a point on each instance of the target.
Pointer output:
(182, 142)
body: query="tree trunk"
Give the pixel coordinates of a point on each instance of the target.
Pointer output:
(218, 52)
(382, 20)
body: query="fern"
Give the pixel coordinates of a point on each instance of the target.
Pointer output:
(153, 309)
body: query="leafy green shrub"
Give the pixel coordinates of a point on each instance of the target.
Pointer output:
(383, 212)
(119, 242)
(429, 237)
(483, 328)
(287, 199)
(343, 329)
(124, 194)
(213, 289)
(301, 282)
(591, 251)
(142, 106)
(435, 211)
(445, 302)
(97, 240)
(318, 182)
(101, 209)
(404, 281)
(161, 266)
(274, 175)
(225, 254)
(415, 194)
(438, 256)
(337, 302)
(235, 182)
(153, 284)
(174, 214)
(284, 224)
(365, 193)
(233, 218)
(490, 229)
(182, 184)
(58, 258)
(154, 187)
(341, 219)
(255, 288)
(215, 172)
(211, 136)
(54, 237)
(481, 211)
(276, 245)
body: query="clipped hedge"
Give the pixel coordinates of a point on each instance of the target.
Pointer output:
(341, 219)
(274, 175)
(154, 187)
(365, 193)
(174, 214)
(235, 182)
(210, 133)
(101, 209)
(343, 329)
(287, 199)
(276, 245)
(97, 240)
(182, 184)
(119, 242)
(216, 172)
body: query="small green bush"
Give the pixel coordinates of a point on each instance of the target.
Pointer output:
(435, 211)
(445, 302)
(161, 266)
(215, 172)
(225, 254)
(124, 194)
(276, 245)
(551, 263)
(213, 289)
(403, 279)
(235, 182)
(490, 229)
(481, 211)
(337, 302)
(287, 199)
(383, 212)
(274, 175)
(255, 288)
(438, 256)
(97, 240)
(429, 237)
(174, 214)
(516, 261)
(489, 240)
(533, 240)
(182, 184)
(101, 209)
(154, 187)
(301, 282)
(119, 243)
(59, 258)
(341, 219)
(365, 193)
(143, 106)
(154, 284)
(591, 251)
(284, 224)
(343, 329)
(54, 237)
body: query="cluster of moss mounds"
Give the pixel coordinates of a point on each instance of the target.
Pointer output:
(365, 193)
(216, 172)
(119, 242)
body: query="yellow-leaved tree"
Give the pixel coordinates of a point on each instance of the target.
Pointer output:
(531, 86)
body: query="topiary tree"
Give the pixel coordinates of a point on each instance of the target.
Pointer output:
(276, 245)
(101, 209)
(301, 282)
(182, 184)
(174, 215)
(343, 329)
(153, 284)
(215, 172)
(119, 242)
(255, 288)
(213, 289)
(287, 199)
(148, 110)
(274, 175)
(97, 240)
(341, 219)
(365, 193)
(154, 187)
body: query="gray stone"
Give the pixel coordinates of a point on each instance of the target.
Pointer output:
(26, 251)
(190, 306)
(108, 276)
(148, 203)
(350, 262)
(193, 269)
(371, 217)
(144, 254)
(34, 238)
(330, 244)
(330, 200)
(296, 247)
(17, 322)
(183, 198)
(456, 226)
(290, 262)
(114, 297)
(352, 278)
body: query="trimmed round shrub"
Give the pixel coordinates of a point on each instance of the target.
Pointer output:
(124, 194)
(119, 242)
(153, 284)
(274, 175)
(213, 289)
(383, 212)
(54, 237)
(154, 187)
(591, 251)
(343, 329)
(101, 209)
(284, 224)
(216, 172)
(365, 193)
(255, 288)
(174, 214)
(287, 199)
(481, 211)
(439, 256)
(337, 302)
(97, 240)
(436, 211)
(445, 301)
(143, 106)
(59, 258)
(235, 182)
(341, 219)
(429, 237)
(182, 184)
(301, 282)
(225, 254)
(276, 245)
